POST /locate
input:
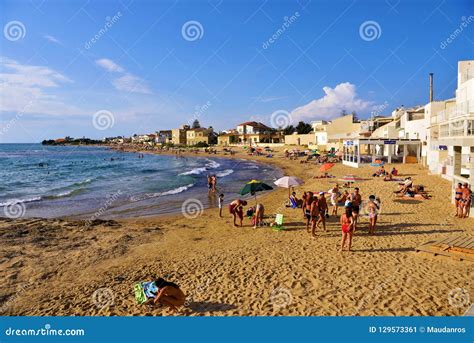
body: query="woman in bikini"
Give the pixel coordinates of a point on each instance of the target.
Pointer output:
(347, 226)
(458, 200)
(162, 292)
(236, 208)
(373, 208)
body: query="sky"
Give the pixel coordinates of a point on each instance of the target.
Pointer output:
(106, 68)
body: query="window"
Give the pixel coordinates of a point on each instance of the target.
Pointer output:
(470, 127)
(457, 128)
(444, 130)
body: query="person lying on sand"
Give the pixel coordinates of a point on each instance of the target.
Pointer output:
(236, 208)
(415, 193)
(405, 185)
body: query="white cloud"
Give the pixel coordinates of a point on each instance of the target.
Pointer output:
(109, 65)
(23, 89)
(127, 82)
(52, 39)
(341, 97)
(131, 83)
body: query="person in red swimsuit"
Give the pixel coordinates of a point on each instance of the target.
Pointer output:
(236, 208)
(347, 225)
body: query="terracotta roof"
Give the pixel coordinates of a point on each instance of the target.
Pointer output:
(254, 124)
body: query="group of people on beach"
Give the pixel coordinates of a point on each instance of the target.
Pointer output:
(462, 200)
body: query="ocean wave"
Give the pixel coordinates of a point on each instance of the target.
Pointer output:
(173, 191)
(213, 164)
(225, 173)
(64, 194)
(195, 171)
(252, 166)
(15, 201)
(178, 190)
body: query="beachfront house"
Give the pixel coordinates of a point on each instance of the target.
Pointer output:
(251, 133)
(201, 135)
(164, 136)
(340, 129)
(178, 136)
(451, 132)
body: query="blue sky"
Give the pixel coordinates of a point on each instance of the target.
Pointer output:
(146, 72)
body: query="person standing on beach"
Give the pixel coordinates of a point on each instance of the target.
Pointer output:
(214, 183)
(322, 207)
(335, 194)
(220, 203)
(457, 200)
(347, 226)
(355, 199)
(209, 183)
(373, 208)
(259, 212)
(466, 201)
(236, 208)
(314, 214)
(308, 201)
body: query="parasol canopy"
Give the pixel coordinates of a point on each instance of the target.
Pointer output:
(325, 167)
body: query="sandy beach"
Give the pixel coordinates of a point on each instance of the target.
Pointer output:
(63, 267)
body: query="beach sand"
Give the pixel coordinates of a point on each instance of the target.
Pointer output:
(62, 267)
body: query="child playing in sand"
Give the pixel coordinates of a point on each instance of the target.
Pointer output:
(236, 208)
(220, 203)
(347, 226)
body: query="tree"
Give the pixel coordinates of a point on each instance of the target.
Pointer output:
(196, 124)
(303, 128)
(290, 129)
(354, 116)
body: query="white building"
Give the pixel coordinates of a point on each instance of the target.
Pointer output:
(451, 131)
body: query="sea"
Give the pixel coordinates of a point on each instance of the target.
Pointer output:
(91, 182)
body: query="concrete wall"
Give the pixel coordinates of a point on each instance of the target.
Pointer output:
(306, 139)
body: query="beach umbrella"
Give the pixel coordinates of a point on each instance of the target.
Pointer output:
(288, 182)
(325, 167)
(253, 187)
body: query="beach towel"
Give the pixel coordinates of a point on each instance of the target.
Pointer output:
(145, 291)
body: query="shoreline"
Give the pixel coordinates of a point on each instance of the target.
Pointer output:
(227, 271)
